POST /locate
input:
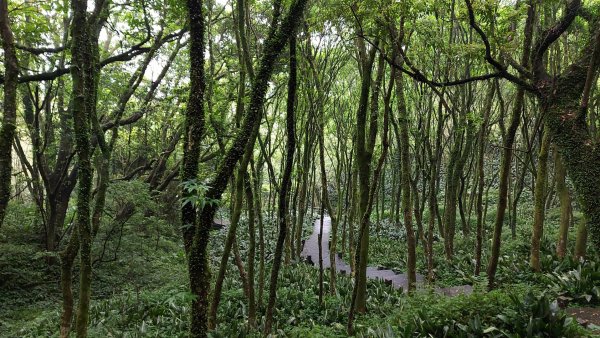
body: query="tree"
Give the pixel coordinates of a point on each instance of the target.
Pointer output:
(403, 122)
(481, 175)
(84, 76)
(363, 162)
(282, 210)
(564, 101)
(508, 140)
(540, 193)
(198, 269)
(9, 118)
(565, 206)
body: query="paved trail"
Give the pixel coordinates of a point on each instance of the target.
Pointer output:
(311, 253)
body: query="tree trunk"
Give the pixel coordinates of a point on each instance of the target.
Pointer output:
(507, 153)
(481, 177)
(194, 116)
(84, 76)
(540, 191)
(581, 241)
(251, 252)
(9, 118)
(194, 131)
(565, 206)
(363, 161)
(68, 256)
(403, 122)
(283, 204)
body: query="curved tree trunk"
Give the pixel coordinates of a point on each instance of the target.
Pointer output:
(198, 268)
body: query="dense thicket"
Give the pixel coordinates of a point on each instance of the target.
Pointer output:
(218, 145)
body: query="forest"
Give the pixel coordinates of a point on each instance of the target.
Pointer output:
(296, 168)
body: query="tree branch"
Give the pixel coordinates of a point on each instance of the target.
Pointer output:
(549, 36)
(125, 56)
(502, 70)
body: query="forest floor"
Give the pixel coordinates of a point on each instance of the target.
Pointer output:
(587, 316)
(140, 286)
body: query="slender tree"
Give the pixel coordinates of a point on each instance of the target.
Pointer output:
(507, 152)
(565, 205)
(405, 169)
(540, 191)
(198, 269)
(9, 117)
(481, 176)
(283, 204)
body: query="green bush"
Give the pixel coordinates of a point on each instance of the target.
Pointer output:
(581, 284)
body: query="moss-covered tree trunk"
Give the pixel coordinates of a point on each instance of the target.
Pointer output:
(198, 268)
(539, 194)
(564, 102)
(581, 240)
(363, 162)
(283, 203)
(251, 251)
(481, 176)
(9, 117)
(565, 205)
(581, 158)
(68, 256)
(194, 130)
(194, 115)
(405, 169)
(84, 77)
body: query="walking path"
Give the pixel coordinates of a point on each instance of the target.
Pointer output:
(587, 317)
(310, 252)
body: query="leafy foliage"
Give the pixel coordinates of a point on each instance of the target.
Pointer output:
(196, 194)
(581, 284)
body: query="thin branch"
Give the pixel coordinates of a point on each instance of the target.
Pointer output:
(591, 74)
(550, 35)
(40, 50)
(502, 71)
(125, 56)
